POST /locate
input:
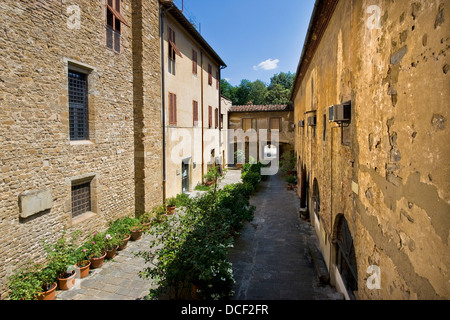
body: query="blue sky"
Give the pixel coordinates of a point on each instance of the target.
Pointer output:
(255, 38)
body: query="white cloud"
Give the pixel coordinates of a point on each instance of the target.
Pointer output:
(269, 64)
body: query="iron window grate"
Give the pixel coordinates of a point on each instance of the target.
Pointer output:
(81, 199)
(78, 106)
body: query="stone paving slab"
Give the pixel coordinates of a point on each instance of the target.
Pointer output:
(270, 257)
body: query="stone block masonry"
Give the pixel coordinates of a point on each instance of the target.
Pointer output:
(41, 41)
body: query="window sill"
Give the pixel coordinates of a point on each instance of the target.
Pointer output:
(83, 217)
(81, 142)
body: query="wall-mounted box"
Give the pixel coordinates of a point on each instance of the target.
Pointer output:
(33, 202)
(341, 112)
(312, 121)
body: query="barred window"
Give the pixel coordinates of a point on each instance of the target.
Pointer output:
(81, 199)
(78, 106)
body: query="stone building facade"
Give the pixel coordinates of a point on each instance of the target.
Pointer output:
(80, 133)
(255, 125)
(374, 168)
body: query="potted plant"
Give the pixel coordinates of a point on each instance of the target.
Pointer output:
(136, 231)
(120, 228)
(96, 250)
(60, 257)
(24, 283)
(47, 277)
(171, 204)
(82, 264)
(111, 245)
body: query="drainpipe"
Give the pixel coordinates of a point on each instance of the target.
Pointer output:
(203, 125)
(163, 104)
(331, 194)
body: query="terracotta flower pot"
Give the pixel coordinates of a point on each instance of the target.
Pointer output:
(171, 210)
(111, 253)
(48, 295)
(124, 242)
(66, 283)
(136, 234)
(83, 271)
(98, 262)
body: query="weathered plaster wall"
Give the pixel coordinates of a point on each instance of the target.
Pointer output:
(391, 181)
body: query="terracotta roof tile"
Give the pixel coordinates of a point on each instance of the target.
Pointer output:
(261, 108)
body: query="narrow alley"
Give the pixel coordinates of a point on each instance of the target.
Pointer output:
(271, 259)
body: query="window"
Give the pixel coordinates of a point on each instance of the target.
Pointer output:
(78, 106)
(195, 113)
(217, 80)
(209, 116)
(171, 44)
(172, 109)
(324, 127)
(216, 118)
(210, 75)
(81, 199)
(114, 21)
(194, 62)
(248, 124)
(275, 124)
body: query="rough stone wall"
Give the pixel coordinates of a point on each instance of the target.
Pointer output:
(147, 105)
(392, 181)
(39, 40)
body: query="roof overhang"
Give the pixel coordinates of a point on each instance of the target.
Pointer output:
(322, 13)
(170, 7)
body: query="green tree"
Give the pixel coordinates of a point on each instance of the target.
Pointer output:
(243, 92)
(277, 94)
(284, 79)
(258, 92)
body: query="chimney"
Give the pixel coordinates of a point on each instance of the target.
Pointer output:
(250, 103)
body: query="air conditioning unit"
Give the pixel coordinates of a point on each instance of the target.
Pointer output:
(312, 121)
(341, 112)
(301, 124)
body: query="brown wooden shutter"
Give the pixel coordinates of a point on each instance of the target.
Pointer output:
(172, 109)
(217, 80)
(195, 113)
(216, 118)
(210, 116)
(209, 75)
(194, 61)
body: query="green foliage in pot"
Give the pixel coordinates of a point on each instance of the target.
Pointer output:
(25, 282)
(60, 255)
(171, 202)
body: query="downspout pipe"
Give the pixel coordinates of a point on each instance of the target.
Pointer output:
(163, 103)
(203, 124)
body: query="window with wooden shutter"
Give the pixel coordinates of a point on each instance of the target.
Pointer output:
(173, 49)
(216, 118)
(172, 109)
(114, 21)
(217, 80)
(275, 124)
(209, 75)
(195, 113)
(209, 116)
(194, 62)
(248, 124)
